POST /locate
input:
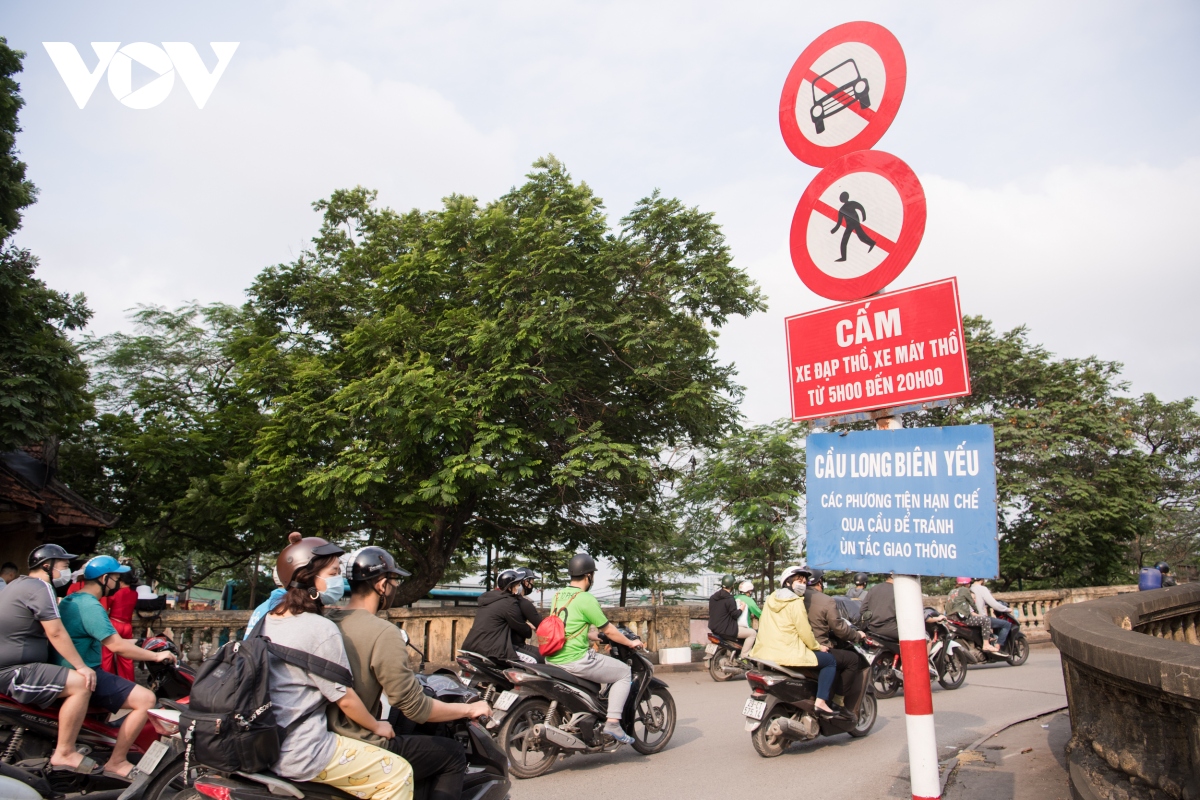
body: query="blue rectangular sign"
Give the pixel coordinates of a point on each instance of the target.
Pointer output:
(915, 501)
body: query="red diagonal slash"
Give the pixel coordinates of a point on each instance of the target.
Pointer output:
(846, 100)
(882, 242)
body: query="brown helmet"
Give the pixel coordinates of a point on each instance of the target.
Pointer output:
(301, 551)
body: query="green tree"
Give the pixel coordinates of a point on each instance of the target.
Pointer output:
(514, 366)
(746, 497)
(42, 378)
(16, 192)
(169, 450)
(1074, 490)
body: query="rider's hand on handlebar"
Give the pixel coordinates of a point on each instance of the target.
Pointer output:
(165, 656)
(383, 728)
(824, 648)
(89, 677)
(478, 709)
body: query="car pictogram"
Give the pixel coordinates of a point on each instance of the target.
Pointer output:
(850, 87)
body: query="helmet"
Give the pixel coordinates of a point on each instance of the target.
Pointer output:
(728, 581)
(300, 552)
(527, 574)
(816, 576)
(791, 572)
(745, 587)
(372, 563)
(102, 565)
(507, 578)
(48, 552)
(581, 564)
(1162, 566)
(963, 581)
(860, 579)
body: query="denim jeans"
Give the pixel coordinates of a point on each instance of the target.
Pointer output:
(1002, 627)
(828, 666)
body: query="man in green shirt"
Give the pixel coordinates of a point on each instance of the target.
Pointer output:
(88, 625)
(748, 611)
(577, 658)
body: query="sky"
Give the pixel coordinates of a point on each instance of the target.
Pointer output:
(1059, 175)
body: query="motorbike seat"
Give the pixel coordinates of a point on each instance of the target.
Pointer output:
(736, 644)
(558, 673)
(802, 673)
(477, 657)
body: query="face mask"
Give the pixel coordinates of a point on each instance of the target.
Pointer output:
(335, 588)
(61, 579)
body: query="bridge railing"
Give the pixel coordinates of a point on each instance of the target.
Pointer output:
(1132, 672)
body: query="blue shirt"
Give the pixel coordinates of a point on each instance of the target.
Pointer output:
(263, 609)
(87, 624)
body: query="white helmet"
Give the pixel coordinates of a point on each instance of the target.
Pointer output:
(799, 569)
(745, 587)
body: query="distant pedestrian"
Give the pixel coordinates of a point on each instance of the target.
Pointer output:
(8, 573)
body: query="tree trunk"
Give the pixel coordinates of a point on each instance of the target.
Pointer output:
(253, 581)
(432, 556)
(624, 583)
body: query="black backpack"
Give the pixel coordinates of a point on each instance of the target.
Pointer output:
(229, 724)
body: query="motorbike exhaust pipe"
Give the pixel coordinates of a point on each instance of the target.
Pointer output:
(559, 738)
(806, 727)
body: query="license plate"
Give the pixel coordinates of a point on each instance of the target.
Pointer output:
(754, 709)
(505, 700)
(710, 648)
(154, 754)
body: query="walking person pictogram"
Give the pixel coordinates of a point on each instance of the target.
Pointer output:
(849, 215)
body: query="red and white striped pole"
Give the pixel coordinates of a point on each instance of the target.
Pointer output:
(918, 697)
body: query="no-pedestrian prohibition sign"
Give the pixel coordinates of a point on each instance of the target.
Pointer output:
(842, 93)
(857, 225)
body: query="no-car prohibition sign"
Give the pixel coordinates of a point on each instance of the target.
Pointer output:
(842, 93)
(857, 225)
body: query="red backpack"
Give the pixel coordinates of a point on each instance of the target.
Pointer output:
(552, 631)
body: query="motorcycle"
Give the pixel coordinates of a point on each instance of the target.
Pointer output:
(781, 706)
(725, 660)
(483, 674)
(549, 712)
(487, 768)
(947, 658)
(167, 681)
(1015, 650)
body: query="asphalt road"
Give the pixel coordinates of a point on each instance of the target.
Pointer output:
(711, 756)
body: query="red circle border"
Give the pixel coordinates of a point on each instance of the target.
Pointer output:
(888, 47)
(912, 228)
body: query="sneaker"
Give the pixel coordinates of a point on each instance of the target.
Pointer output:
(616, 732)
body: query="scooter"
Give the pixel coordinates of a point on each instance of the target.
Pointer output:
(483, 674)
(781, 707)
(947, 658)
(1015, 650)
(725, 660)
(549, 712)
(487, 768)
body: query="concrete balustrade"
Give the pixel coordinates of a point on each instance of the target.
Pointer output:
(1132, 672)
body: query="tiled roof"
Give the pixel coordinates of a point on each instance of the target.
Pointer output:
(52, 498)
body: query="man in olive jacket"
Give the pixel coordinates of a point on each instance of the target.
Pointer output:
(829, 628)
(378, 655)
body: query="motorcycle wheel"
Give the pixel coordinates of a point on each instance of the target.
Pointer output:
(868, 712)
(717, 664)
(883, 680)
(1018, 650)
(170, 785)
(527, 757)
(655, 723)
(953, 671)
(766, 745)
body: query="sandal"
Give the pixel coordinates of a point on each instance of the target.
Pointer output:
(87, 766)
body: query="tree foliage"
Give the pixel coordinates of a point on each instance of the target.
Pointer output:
(16, 191)
(746, 499)
(513, 367)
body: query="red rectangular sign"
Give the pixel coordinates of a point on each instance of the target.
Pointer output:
(886, 351)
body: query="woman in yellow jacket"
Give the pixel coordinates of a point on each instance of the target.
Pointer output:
(786, 638)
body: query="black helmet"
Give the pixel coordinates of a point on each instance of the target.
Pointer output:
(1162, 566)
(581, 564)
(728, 581)
(48, 552)
(507, 578)
(860, 579)
(816, 576)
(527, 574)
(372, 563)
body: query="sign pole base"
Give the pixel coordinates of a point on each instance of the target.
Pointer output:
(918, 695)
